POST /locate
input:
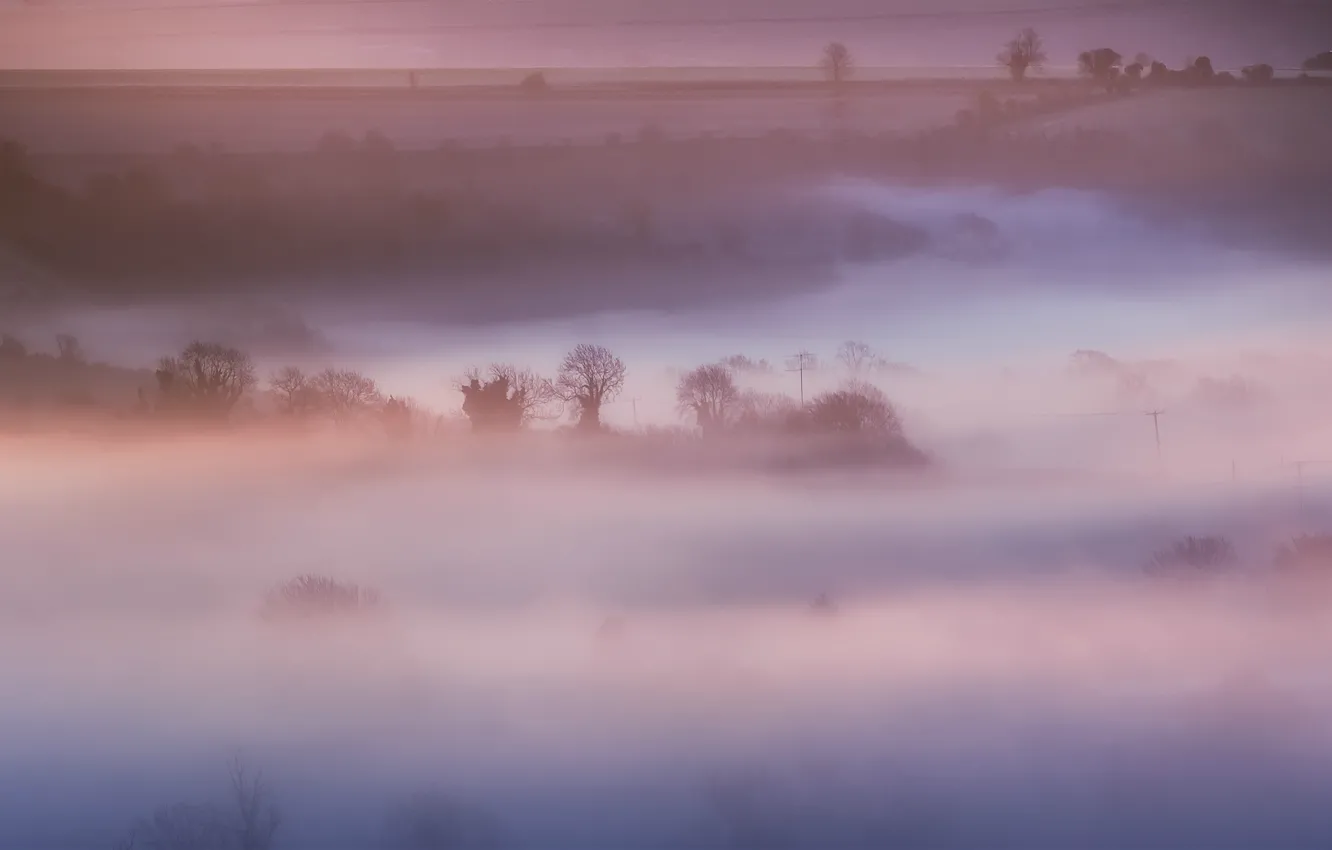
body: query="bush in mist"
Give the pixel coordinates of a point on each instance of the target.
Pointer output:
(837, 62)
(1024, 52)
(249, 821)
(508, 398)
(296, 395)
(1306, 552)
(397, 417)
(858, 408)
(1194, 555)
(319, 597)
(205, 379)
(710, 395)
(739, 363)
(435, 821)
(1321, 62)
(590, 376)
(69, 350)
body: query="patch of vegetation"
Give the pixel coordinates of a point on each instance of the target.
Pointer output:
(1194, 556)
(315, 597)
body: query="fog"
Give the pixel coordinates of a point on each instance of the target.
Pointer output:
(999, 670)
(616, 647)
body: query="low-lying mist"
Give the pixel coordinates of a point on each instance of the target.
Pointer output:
(567, 655)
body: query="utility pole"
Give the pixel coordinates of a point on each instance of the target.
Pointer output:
(802, 360)
(634, 401)
(1156, 426)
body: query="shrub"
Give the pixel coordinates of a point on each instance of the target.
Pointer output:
(1194, 555)
(535, 83)
(313, 596)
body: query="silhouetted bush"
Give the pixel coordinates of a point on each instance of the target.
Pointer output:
(1197, 555)
(319, 597)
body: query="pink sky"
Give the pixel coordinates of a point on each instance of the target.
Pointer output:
(553, 33)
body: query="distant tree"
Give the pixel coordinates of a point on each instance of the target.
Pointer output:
(1194, 554)
(1143, 59)
(1160, 73)
(859, 408)
(710, 394)
(535, 83)
(589, 377)
(295, 391)
(206, 378)
(12, 348)
(857, 356)
(837, 63)
(766, 412)
(69, 351)
(739, 363)
(509, 398)
(1321, 62)
(314, 596)
(1201, 71)
(1258, 74)
(250, 822)
(1134, 72)
(1101, 64)
(1024, 52)
(345, 394)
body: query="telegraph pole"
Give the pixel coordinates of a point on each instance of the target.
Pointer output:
(801, 359)
(634, 401)
(1156, 426)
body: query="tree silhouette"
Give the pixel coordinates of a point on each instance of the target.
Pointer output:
(295, 393)
(1024, 52)
(206, 378)
(1321, 62)
(709, 392)
(1101, 64)
(590, 376)
(397, 417)
(837, 63)
(857, 356)
(1258, 74)
(859, 408)
(345, 394)
(510, 398)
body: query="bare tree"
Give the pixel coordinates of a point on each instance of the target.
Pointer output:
(857, 356)
(589, 377)
(709, 392)
(206, 378)
(837, 63)
(1024, 52)
(345, 393)
(251, 823)
(294, 389)
(257, 819)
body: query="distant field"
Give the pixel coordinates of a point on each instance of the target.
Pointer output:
(1256, 117)
(158, 121)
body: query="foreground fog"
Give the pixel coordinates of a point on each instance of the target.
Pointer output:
(998, 672)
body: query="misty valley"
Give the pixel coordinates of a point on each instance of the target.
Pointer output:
(951, 475)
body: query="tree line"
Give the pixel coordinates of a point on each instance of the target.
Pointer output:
(206, 382)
